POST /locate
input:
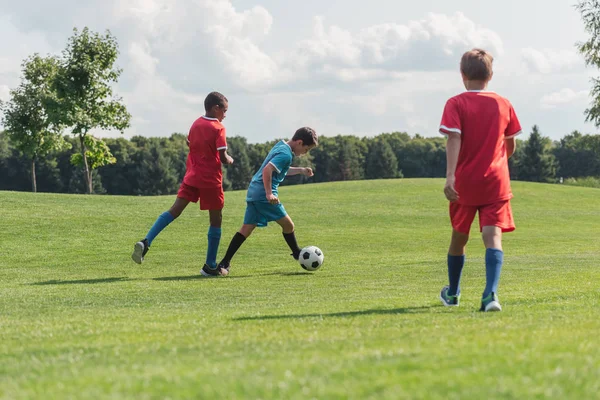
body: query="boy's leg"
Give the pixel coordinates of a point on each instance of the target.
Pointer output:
(287, 227)
(236, 242)
(461, 217)
(456, 260)
(213, 200)
(163, 220)
(494, 220)
(494, 258)
(214, 237)
(252, 219)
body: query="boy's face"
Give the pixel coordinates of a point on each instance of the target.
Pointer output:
(220, 111)
(301, 149)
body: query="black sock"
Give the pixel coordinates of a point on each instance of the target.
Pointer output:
(290, 238)
(237, 240)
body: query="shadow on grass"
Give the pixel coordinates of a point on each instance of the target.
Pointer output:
(199, 277)
(82, 281)
(196, 277)
(385, 311)
(287, 274)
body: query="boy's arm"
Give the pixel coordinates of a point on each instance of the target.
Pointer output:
(267, 176)
(300, 170)
(511, 146)
(221, 144)
(452, 151)
(225, 158)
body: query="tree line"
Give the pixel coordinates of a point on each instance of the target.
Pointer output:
(155, 166)
(73, 92)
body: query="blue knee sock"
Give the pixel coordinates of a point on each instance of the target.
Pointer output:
(493, 266)
(161, 223)
(214, 237)
(455, 266)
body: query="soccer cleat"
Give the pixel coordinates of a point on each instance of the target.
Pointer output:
(490, 303)
(223, 266)
(213, 272)
(139, 251)
(296, 256)
(447, 300)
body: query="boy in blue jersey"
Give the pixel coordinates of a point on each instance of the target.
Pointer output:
(262, 201)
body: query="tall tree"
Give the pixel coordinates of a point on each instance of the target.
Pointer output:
(26, 117)
(538, 163)
(85, 98)
(590, 49)
(240, 172)
(381, 161)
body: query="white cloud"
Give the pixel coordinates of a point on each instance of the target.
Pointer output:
(337, 77)
(434, 43)
(4, 93)
(562, 97)
(550, 61)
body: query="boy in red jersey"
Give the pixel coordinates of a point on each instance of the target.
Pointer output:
(481, 127)
(202, 181)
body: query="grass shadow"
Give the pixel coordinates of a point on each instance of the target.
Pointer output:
(385, 311)
(82, 281)
(287, 274)
(201, 277)
(196, 277)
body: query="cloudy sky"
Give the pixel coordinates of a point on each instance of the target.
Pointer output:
(340, 66)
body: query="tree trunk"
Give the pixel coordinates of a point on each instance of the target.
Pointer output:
(86, 168)
(33, 178)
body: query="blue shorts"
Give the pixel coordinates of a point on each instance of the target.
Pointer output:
(260, 213)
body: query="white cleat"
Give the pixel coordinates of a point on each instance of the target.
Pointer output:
(138, 252)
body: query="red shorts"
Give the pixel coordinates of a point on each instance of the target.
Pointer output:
(496, 214)
(210, 198)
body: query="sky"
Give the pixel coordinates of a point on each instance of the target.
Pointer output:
(341, 67)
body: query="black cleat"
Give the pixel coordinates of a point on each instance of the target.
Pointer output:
(139, 251)
(213, 272)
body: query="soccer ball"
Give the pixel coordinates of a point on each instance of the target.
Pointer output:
(311, 258)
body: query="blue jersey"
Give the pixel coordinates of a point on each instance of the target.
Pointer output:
(280, 157)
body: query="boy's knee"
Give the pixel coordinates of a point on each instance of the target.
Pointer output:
(288, 226)
(216, 218)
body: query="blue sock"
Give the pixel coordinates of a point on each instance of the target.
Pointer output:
(493, 266)
(161, 223)
(455, 266)
(214, 237)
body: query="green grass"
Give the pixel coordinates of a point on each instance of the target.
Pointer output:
(78, 319)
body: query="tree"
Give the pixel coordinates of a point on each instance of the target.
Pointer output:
(155, 174)
(590, 13)
(85, 99)
(239, 173)
(26, 116)
(578, 155)
(381, 161)
(538, 163)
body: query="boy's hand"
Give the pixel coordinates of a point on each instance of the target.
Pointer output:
(272, 199)
(228, 159)
(307, 172)
(449, 191)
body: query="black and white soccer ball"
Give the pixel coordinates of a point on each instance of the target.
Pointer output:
(311, 258)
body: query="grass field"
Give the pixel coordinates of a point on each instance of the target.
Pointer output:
(80, 320)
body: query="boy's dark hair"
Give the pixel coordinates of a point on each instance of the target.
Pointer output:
(214, 99)
(307, 135)
(476, 65)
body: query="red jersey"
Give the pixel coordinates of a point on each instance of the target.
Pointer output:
(203, 166)
(483, 120)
